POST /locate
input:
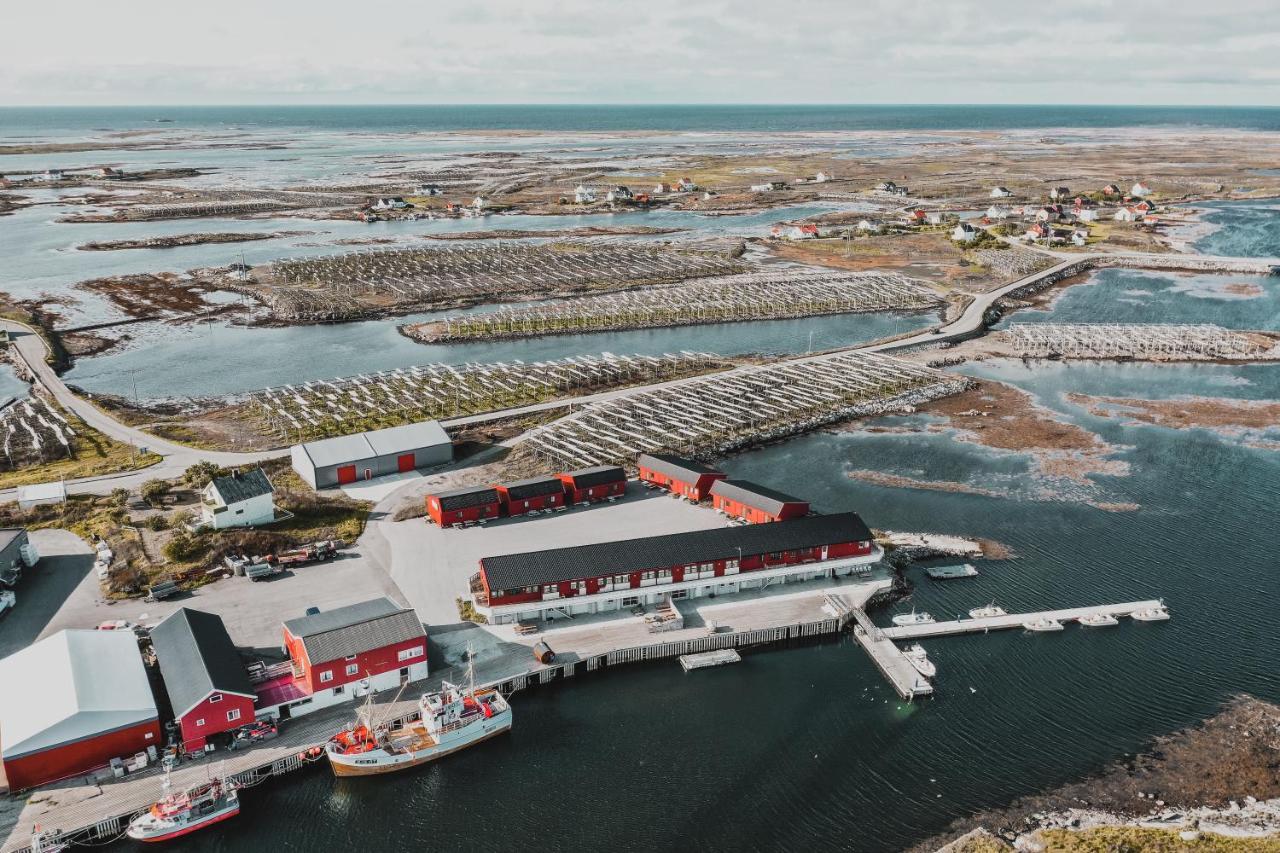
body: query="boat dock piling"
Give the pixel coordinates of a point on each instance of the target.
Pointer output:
(1012, 620)
(701, 660)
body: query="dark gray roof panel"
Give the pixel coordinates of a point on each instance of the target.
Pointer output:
(585, 478)
(754, 494)
(534, 487)
(197, 658)
(534, 568)
(355, 629)
(685, 470)
(242, 485)
(467, 497)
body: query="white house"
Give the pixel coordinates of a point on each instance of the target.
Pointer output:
(761, 188)
(390, 203)
(821, 178)
(1060, 193)
(867, 226)
(995, 211)
(240, 499)
(619, 193)
(933, 217)
(1127, 214)
(685, 185)
(964, 233)
(1139, 190)
(50, 175)
(661, 189)
(583, 194)
(1079, 237)
(1000, 192)
(1087, 214)
(479, 203)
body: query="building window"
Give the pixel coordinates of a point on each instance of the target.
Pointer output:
(679, 593)
(233, 715)
(631, 601)
(353, 668)
(731, 564)
(200, 722)
(350, 657)
(326, 676)
(622, 579)
(337, 691)
(409, 654)
(216, 697)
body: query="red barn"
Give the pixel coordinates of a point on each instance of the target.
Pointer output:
(456, 506)
(755, 503)
(685, 477)
(590, 485)
(537, 493)
(209, 690)
(72, 702)
(370, 646)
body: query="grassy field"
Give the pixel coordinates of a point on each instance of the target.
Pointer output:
(1122, 839)
(94, 454)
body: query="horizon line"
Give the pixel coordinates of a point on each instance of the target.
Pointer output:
(626, 104)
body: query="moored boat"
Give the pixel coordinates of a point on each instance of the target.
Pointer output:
(913, 618)
(1042, 625)
(451, 719)
(1098, 620)
(916, 656)
(1151, 614)
(940, 573)
(987, 611)
(178, 814)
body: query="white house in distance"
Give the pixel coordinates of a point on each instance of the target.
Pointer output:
(1079, 237)
(866, 226)
(1087, 214)
(964, 233)
(995, 211)
(583, 194)
(479, 203)
(428, 190)
(240, 499)
(619, 193)
(1000, 192)
(1140, 190)
(390, 203)
(1127, 214)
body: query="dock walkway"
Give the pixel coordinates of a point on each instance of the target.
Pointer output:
(889, 659)
(1011, 620)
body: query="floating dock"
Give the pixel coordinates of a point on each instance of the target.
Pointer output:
(942, 573)
(1012, 620)
(889, 659)
(702, 660)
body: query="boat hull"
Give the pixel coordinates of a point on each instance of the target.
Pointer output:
(345, 765)
(185, 829)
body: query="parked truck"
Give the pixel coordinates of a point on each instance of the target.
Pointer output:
(16, 554)
(316, 552)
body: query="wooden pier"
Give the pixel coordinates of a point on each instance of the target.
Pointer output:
(1012, 620)
(889, 659)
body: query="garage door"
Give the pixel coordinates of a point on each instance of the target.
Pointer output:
(347, 474)
(405, 462)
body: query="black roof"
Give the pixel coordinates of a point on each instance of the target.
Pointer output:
(356, 628)
(534, 487)
(197, 658)
(533, 568)
(242, 485)
(467, 497)
(585, 478)
(687, 470)
(753, 494)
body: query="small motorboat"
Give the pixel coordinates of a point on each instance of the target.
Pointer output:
(1043, 625)
(1098, 620)
(183, 812)
(1151, 614)
(989, 610)
(913, 618)
(916, 656)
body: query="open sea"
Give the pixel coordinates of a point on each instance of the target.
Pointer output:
(802, 748)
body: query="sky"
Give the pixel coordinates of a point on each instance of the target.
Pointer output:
(77, 52)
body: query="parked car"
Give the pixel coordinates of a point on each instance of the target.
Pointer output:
(8, 601)
(254, 732)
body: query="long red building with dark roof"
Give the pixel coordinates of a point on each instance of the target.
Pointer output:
(612, 575)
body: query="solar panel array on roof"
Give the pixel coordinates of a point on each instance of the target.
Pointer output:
(585, 478)
(754, 494)
(534, 568)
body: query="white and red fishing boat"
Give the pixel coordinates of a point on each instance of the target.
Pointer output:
(452, 719)
(177, 814)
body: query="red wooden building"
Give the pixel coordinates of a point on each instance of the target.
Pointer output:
(456, 506)
(685, 477)
(537, 493)
(755, 503)
(590, 485)
(72, 702)
(209, 690)
(610, 575)
(372, 645)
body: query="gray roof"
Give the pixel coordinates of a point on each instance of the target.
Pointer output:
(197, 658)
(533, 568)
(344, 449)
(242, 485)
(467, 496)
(598, 475)
(686, 470)
(354, 629)
(534, 487)
(754, 494)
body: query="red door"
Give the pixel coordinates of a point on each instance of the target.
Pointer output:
(405, 462)
(347, 474)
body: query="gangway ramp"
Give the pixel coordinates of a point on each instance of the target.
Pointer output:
(889, 659)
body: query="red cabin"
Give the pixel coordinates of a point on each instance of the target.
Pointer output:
(376, 644)
(457, 506)
(685, 477)
(590, 485)
(755, 503)
(532, 495)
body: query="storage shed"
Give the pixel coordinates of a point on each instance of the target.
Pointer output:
(457, 506)
(755, 503)
(534, 494)
(363, 456)
(590, 485)
(685, 477)
(72, 702)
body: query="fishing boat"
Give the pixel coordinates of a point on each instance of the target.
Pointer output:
(913, 618)
(989, 610)
(916, 656)
(452, 719)
(941, 573)
(177, 814)
(1043, 625)
(1151, 614)
(1098, 620)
